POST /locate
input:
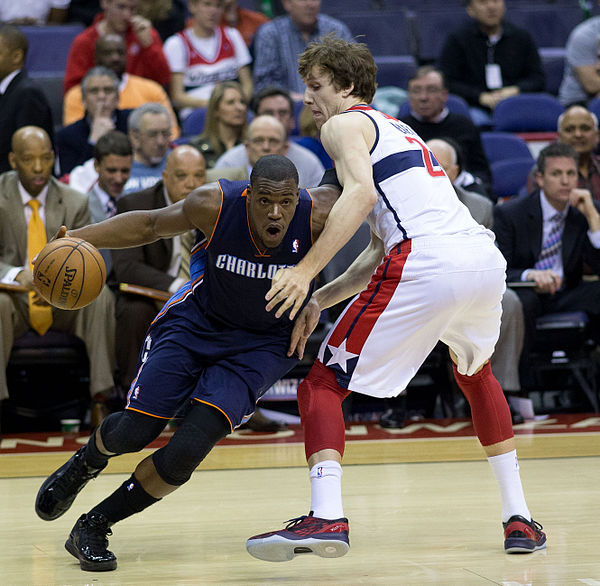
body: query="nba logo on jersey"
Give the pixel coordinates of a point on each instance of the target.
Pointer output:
(136, 392)
(295, 245)
(320, 472)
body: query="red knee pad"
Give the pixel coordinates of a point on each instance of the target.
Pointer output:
(320, 405)
(489, 409)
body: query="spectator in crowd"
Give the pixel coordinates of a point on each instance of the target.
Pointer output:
(167, 16)
(278, 43)
(546, 237)
(489, 59)
(225, 123)
(578, 127)
(266, 136)
(154, 265)
(33, 207)
(150, 134)
(145, 55)
(111, 52)
(430, 118)
(581, 77)
(100, 93)
(37, 13)
(505, 359)
(22, 102)
(272, 101)
(246, 21)
(113, 157)
(205, 54)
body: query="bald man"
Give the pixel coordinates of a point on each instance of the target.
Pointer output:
(153, 265)
(505, 359)
(578, 127)
(32, 160)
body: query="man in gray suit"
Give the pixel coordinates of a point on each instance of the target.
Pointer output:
(505, 360)
(32, 159)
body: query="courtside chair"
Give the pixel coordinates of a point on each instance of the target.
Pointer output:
(527, 113)
(501, 146)
(510, 176)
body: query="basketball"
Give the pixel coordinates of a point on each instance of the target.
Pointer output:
(69, 273)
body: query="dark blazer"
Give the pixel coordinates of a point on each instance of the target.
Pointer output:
(518, 228)
(144, 265)
(465, 54)
(22, 104)
(72, 141)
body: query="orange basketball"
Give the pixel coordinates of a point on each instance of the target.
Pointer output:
(69, 273)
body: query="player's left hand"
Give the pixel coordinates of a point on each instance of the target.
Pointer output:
(305, 325)
(288, 287)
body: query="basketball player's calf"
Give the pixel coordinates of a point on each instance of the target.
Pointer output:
(493, 426)
(324, 531)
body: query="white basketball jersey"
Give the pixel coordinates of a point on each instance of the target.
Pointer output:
(416, 198)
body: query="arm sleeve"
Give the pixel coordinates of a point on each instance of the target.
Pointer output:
(79, 60)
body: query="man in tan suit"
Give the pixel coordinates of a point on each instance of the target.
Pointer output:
(29, 190)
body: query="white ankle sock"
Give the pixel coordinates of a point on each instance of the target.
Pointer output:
(326, 490)
(506, 471)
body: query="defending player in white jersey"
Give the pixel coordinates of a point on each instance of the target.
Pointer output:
(430, 273)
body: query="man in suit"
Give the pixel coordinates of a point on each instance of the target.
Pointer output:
(22, 103)
(546, 237)
(27, 191)
(75, 142)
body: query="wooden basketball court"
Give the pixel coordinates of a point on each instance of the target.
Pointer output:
(422, 503)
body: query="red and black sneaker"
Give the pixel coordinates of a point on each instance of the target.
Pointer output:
(306, 534)
(523, 536)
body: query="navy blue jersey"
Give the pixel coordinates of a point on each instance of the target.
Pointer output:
(234, 276)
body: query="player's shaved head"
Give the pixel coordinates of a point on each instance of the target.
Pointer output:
(275, 168)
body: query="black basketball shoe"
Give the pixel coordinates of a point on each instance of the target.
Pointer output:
(523, 536)
(59, 490)
(88, 542)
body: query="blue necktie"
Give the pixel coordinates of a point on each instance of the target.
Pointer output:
(551, 247)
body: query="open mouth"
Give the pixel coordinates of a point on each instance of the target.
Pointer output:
(273, 230)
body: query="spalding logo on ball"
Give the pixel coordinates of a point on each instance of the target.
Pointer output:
(69, 273)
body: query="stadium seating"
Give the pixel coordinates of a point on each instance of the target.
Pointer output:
(510, 176)
(500, 146)
(527, 113)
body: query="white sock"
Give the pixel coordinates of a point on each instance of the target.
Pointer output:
(326, 490)
(506, 471)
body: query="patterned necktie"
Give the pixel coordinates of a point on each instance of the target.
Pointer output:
(551, 248)
(40, 316)
(111, 207)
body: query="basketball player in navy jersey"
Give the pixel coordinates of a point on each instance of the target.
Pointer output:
(430, 273)
(212, 347)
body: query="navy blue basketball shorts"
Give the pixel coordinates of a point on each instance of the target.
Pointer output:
(187, 357)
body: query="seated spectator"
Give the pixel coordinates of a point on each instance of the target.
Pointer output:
(33, 207)
(150, 135)
(75, 142)
(134, 90)
(22, 102)
(39, 12)
(581, 77)
(489, 59)
(278, 43)
(578, 127)
(266, 136)
(310, 137)
(246, 21)
(145, 55)
(430, 118)
(272, 101)
(225, 123)
(203, 55)
(546, 237)
(154, 265)
(113, 157)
